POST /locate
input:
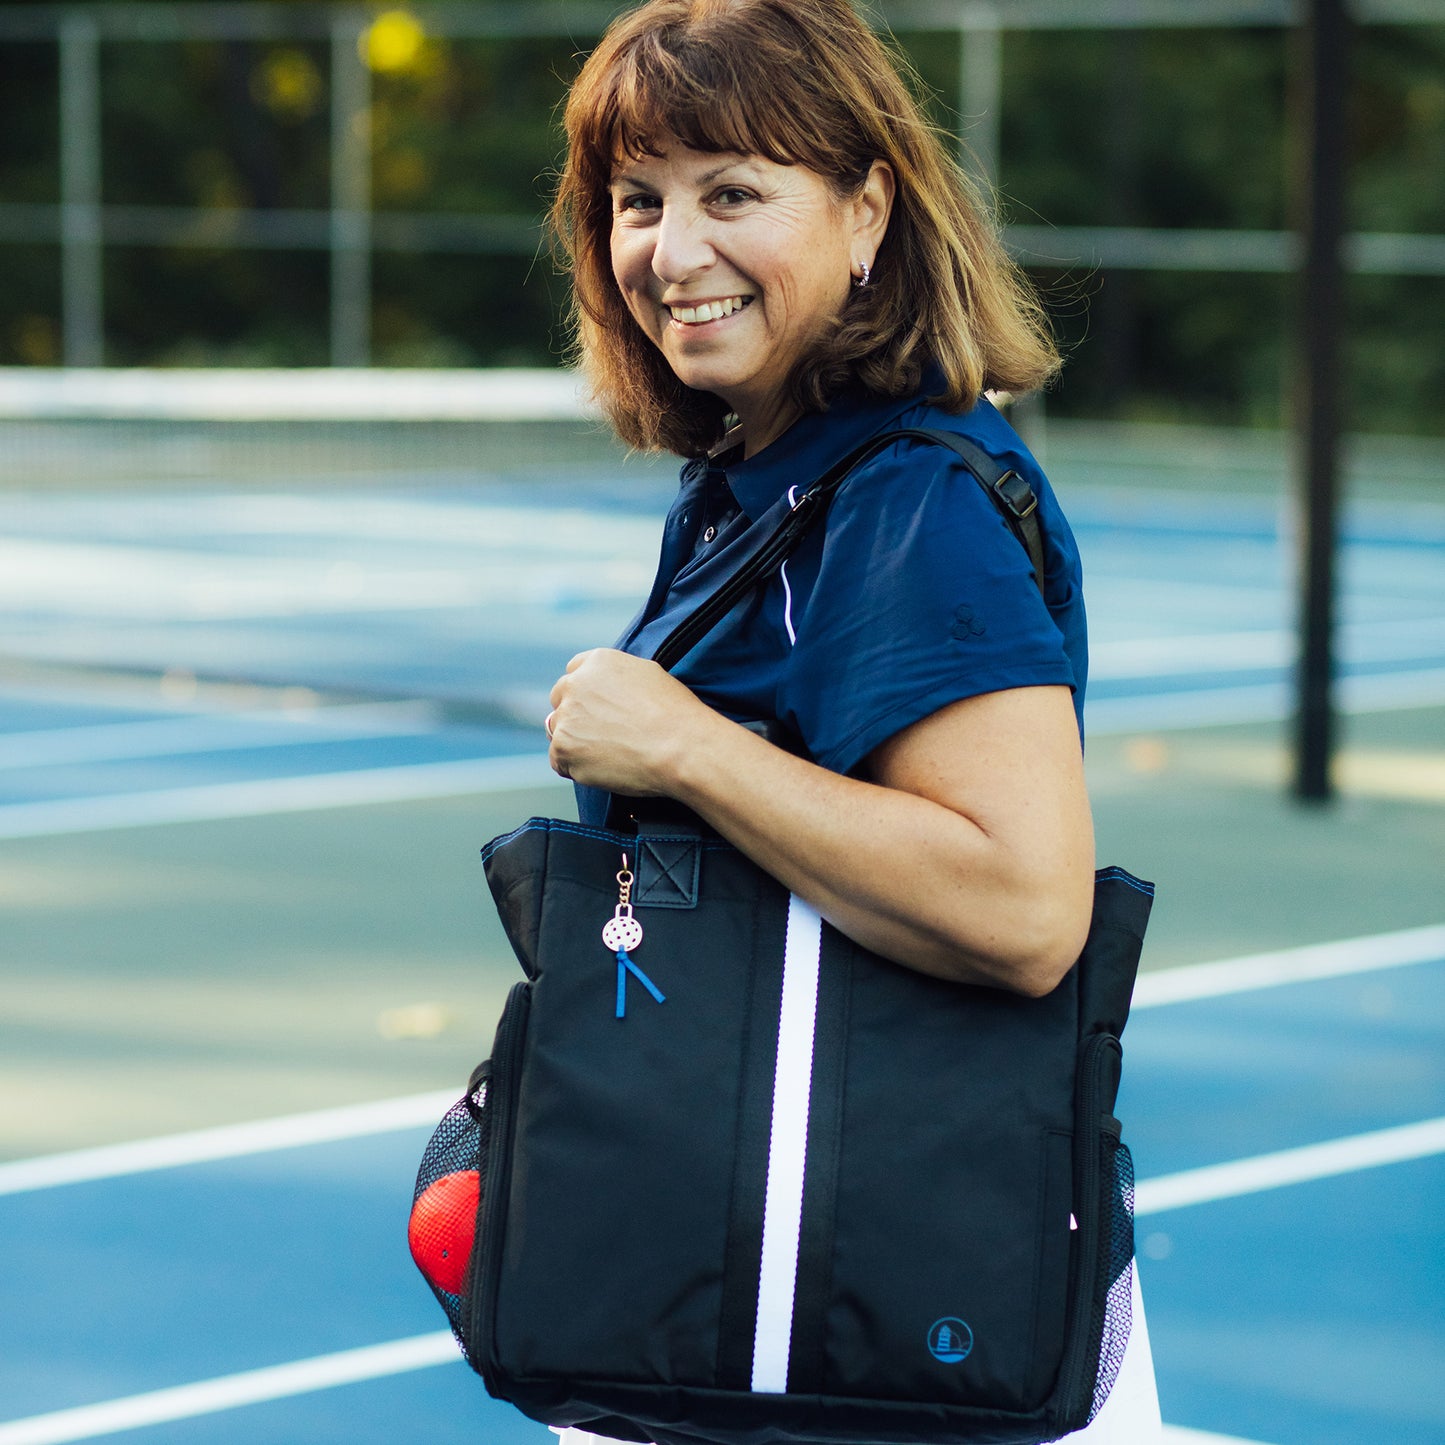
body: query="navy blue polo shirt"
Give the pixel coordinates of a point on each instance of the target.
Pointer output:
(910, 595)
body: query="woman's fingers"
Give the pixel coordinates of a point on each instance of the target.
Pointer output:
(613, 720)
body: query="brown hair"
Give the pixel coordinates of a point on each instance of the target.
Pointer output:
(801, 82)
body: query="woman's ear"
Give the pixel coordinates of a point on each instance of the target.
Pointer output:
(871, 208)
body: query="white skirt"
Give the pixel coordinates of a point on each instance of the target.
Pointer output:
(1130, 1415)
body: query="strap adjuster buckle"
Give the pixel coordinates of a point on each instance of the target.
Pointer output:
(1016, 494)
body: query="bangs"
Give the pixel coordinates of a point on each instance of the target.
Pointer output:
(697, 88)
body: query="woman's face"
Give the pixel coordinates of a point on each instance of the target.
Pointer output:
(731, 264)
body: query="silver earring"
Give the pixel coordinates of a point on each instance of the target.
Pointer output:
(861, 281)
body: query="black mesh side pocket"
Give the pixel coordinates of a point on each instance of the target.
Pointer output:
(446, 1210)
(1113, 1305)
(1102, 1267)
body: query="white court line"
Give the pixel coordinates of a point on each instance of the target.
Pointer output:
(1290, 1166)
(249, 1387)
(1258, 702)
(230, 1141)
(212, 733)
(1290, 965)
(277, 1382)
(209, 802)
(1180, 1435)
(1153, 1196)
(1417, 640)
(306, 393)
(226, 1141)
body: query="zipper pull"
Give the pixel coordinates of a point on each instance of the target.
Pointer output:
(620, 935)
(477, 1089)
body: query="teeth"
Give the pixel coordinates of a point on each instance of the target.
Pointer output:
(708, 310)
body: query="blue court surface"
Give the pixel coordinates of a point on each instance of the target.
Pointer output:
(486, 591)
(252, 1284)
(1290, 1141)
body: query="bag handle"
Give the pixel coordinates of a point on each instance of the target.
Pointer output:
(1006, 489)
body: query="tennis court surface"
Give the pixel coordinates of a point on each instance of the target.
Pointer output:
(252, 733)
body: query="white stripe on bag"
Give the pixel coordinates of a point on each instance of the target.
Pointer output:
(787, 1148)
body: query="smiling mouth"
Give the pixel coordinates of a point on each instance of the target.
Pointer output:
(706, 311)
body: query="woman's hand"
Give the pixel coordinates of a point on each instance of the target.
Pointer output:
(966, 851)
(618, 722)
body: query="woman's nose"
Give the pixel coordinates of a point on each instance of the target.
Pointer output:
(682, 248)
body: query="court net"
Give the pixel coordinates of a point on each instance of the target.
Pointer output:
(263, 427)
(102, 428)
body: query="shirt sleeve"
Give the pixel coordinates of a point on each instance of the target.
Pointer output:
(922, 597)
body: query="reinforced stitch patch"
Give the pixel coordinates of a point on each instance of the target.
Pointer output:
(667, 871)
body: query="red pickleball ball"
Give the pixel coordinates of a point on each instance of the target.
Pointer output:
(442, 1228)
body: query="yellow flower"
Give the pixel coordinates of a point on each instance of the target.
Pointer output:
(392, 41)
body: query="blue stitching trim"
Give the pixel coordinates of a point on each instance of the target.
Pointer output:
(559, 825)
(1115, 872)
(582, 830)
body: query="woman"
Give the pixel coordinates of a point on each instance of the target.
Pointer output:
(773, 260)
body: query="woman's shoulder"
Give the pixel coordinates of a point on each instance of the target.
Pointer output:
(984, 425)
(917, 472)
(927, 499)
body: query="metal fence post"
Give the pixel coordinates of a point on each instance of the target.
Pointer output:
(81, 287)
(350, 194)
(980, 144)
(980, 85)
(1322, 96)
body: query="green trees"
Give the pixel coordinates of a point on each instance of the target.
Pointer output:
(1188, 129)
(216, 158)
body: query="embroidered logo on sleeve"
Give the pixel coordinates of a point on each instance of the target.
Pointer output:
(965, 624)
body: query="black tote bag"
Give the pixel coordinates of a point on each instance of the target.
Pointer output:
(748, 1182)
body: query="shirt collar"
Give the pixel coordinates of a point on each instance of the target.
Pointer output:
(815, 441)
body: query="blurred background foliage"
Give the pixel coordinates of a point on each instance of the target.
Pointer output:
(1138, 128)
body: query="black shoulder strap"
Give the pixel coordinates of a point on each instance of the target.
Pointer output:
(1008, 491)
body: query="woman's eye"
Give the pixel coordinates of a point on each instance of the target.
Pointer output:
(733, 196)
(639, 201)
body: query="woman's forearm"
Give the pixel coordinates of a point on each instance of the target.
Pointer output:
(902, 874)
(968, 854)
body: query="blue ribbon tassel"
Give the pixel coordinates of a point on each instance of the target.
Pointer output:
(625, 966)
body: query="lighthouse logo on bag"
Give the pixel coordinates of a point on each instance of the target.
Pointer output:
(950, 1340)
